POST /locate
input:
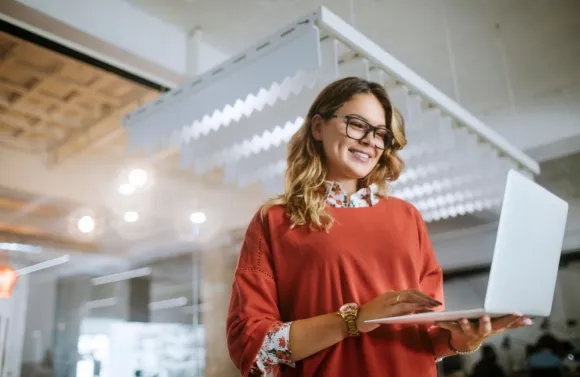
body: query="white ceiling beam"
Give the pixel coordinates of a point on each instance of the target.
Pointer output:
(201, 56)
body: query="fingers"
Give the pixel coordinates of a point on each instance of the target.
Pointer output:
(466, 326)
(396, 303)
(462, 326)
(510, 322)
(422, 296)
(518, 322)
(405, 308)
(501, 323)
(451, 326)
(411, 296)
(524, 321)
(485, 327)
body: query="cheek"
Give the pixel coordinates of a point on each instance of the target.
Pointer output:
(335, 147)
(331, 153)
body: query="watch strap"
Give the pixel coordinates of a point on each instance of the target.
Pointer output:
(349, 314)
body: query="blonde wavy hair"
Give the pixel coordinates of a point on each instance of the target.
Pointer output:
(304, 193)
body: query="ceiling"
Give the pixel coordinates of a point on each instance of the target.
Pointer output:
(503, 61)
(562, 176)
(25, 218)
(63, 156)
(477, 45)
(52, 109)
(59, 117)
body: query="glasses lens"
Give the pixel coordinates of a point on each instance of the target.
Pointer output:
(357, 129)
(382, 137)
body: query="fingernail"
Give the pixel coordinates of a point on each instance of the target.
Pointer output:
(527, 322)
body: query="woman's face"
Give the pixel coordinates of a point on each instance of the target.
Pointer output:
(347, 158)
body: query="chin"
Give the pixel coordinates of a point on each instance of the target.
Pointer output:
(356, 172)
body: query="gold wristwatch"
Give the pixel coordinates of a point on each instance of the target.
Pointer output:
(349, 312)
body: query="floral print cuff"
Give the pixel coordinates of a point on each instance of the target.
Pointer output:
(275, 351)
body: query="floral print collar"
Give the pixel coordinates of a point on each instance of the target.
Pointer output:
(337, 197)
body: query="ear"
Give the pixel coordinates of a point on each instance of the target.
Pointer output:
(316, 125)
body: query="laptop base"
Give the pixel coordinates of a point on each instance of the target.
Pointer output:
(452, 315)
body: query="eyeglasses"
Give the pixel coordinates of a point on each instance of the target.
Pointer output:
(357, 128)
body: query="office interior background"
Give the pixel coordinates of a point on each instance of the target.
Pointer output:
(125, 236)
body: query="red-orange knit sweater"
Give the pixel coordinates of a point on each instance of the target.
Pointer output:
(285, 274)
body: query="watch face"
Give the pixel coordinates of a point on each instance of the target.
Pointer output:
(348, 307)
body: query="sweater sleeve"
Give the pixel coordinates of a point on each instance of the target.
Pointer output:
(253, 320)
(431, 283)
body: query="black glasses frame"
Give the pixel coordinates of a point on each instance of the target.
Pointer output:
(389, 138)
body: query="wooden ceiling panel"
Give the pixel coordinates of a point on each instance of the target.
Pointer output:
(7, 46)
(80, 74)
(50, 103)
(13, 76)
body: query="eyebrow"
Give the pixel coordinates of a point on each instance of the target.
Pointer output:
(360, 117)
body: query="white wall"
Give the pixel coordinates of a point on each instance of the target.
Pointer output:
(13, 310)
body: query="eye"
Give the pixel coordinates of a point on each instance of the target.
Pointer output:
(357, 124)
(382, 133)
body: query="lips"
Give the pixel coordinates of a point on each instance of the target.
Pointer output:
(360, 155)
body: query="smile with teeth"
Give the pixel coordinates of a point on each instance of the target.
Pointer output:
(361, 156)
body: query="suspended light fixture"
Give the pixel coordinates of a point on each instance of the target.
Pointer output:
(240, 115)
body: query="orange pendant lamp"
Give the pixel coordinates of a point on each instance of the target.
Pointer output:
(8, 278)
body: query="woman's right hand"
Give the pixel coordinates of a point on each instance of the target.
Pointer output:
(391, 304)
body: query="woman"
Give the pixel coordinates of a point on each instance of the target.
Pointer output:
(334, 251)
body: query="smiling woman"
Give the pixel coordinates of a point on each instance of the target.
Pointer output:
(334, 250)
(350, 137)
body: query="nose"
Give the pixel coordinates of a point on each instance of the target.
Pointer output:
(367, 139)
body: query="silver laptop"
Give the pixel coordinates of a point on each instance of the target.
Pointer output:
(526, 257)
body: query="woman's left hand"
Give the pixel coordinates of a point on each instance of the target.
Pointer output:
(467, 336)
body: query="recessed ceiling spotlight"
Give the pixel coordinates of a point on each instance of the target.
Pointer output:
(131, 216)
(197, 218)
(86, 224)
(126, 189)
(138, 177)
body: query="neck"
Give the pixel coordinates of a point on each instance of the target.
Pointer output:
(349, 186)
